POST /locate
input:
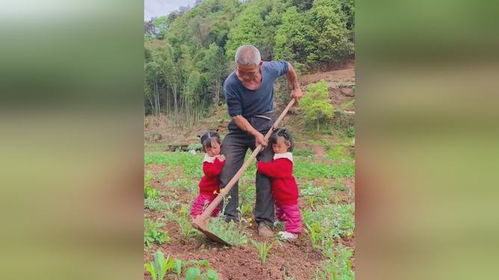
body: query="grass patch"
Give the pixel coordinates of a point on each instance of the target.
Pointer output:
(303, 153)
(338, 265)
(329, 222)
(189, 163)
(159, 205)
(313, 170)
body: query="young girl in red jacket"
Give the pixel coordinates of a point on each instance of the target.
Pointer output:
(213, 163)
(284, 188)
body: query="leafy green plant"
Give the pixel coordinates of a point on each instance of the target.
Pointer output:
(263, 249)
(159, 266)
(245, 209)
(314, 231)
(228, 231)
(316, 195)
(153, 233)
(150, 192)
(329, 222)
(184, 223)
(189, 270)
(338, 265)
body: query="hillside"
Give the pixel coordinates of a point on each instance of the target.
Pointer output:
(161, 131)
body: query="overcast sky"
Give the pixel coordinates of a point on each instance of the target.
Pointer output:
(156, 8)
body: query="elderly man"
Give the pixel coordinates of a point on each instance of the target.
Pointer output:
(249, 92)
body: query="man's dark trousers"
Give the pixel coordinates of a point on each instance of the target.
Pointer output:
(234, 147)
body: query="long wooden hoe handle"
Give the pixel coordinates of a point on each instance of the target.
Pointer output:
(207, 212)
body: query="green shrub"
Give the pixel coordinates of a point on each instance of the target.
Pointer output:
(316, 104)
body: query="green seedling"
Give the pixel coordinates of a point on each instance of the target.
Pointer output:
(150, 192)
(314, 231)
(263, 249)
(160, 266)
(153, 233)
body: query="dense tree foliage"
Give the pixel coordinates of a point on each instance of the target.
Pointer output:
(188, 53)
(316, 105)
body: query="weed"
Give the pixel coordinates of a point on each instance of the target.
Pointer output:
(185, 225)
(245, 209)
(328, 222)
(338, 265)
(263, 249)
(351, 131)
(339, 153)
(153, 233)
(188, 185)
(313, 231)
(228, 231)
(316, 195)
(150, 192)
(338, 186)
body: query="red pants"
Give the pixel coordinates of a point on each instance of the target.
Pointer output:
(201, 202)
(290, 215)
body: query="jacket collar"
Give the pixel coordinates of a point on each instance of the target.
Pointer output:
(287, 155)
(209, 159)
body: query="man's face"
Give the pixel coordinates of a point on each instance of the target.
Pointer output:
(249, 74)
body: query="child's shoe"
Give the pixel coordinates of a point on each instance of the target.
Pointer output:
(287, 235)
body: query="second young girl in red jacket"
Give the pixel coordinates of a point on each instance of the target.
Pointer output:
(213, 163)
(284, 188)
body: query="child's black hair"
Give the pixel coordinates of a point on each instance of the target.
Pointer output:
(284, 133)
(208, 137)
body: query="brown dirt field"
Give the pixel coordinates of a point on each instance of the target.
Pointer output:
(295, 259)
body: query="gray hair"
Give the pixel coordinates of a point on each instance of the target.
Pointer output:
(248, 55)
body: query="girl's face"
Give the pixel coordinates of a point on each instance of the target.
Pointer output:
(214, 150)
(280, 146)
